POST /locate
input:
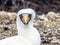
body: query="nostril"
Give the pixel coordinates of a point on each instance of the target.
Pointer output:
(6, 28)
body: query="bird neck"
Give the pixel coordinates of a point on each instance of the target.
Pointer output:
(23, 29)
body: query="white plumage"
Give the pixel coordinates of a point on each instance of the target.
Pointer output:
(27, 34)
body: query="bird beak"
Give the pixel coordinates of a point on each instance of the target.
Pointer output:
(25, 19)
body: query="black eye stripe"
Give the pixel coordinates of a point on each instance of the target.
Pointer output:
(30, 15)
(21, 16)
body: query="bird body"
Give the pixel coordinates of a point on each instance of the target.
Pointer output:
(28, 30)
(15, 40)
(31, 34)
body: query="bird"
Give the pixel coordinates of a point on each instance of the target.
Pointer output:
(27, 34)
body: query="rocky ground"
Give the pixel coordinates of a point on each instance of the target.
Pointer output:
(47, 24)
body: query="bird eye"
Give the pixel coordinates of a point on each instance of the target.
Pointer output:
(30, 15)
(20, 16)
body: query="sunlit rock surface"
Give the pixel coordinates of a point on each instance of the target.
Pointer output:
(47, 24)
(49, 27)
(7, 24)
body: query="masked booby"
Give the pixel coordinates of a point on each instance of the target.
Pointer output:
(27, 34)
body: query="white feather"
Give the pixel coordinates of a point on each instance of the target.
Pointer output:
(27, 34)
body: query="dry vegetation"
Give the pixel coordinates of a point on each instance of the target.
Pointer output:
(41, 6)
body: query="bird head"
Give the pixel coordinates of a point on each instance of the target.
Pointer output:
(25, 16)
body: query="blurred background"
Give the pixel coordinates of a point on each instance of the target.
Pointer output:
(47, 20)
(41, 6)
